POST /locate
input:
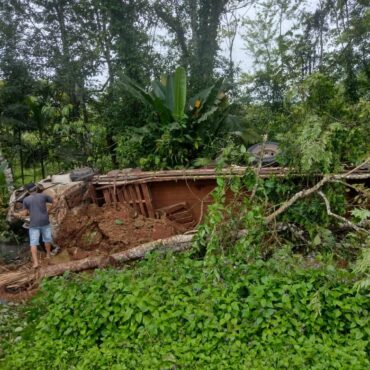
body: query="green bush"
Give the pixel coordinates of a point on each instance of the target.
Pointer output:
(172, 312)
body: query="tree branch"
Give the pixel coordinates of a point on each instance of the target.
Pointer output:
(340, 218)
(174, 24)
(260, 158)
(306, 192)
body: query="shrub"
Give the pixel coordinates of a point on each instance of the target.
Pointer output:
(172, 312)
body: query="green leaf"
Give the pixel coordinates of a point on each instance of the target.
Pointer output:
(136, 91)
(159, 90)
(128, 313)
(210, 96)
(316, 241)
(169, 93)
(361, 214)
(163, 111)
(179, 93)
(139, 317)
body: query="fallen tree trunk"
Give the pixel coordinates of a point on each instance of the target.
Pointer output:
(19, 279)
(175, 243)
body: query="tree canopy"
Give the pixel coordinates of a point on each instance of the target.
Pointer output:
(64, 67)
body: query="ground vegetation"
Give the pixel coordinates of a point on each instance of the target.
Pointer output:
(276, 277)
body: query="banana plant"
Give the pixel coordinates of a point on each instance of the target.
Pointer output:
(167, 97)
(186, 127)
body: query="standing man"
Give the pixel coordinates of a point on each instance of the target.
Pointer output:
(35, 205)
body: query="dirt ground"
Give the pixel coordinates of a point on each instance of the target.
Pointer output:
(90, 230)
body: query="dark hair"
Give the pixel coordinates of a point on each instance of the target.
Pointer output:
(31, 187)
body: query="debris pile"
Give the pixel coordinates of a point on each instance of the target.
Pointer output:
(89, 230)
(91, 236)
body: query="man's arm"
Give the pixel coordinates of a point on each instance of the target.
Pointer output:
(52, 201)
(51, 208)
(22, 214)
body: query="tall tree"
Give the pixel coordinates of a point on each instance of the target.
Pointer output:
(8, 173)
(17, 82)
(63, 46)
(123, 29)
(352, 35)
(333, 38)
(269, 44)
(195, 25)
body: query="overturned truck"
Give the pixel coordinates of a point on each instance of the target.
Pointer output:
(107, 213)
(119, 216)
(93, 209)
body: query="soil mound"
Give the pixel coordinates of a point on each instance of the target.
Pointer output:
(90, 230)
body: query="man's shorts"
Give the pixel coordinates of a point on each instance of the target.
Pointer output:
(34, 233)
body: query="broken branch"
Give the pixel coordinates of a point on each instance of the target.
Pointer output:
(306, 192)
(340, 218)
(260, 158)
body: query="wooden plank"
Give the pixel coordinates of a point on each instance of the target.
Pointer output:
(92, 193)
(120, 195)
(126, 195)
(140, 199)
(148, 200)
(133, 198)
(113, 195)
(178, 215)
(124, 177)
(185, 220)
(106, 194)
(189, 225)
(137, 176)
(173, 208)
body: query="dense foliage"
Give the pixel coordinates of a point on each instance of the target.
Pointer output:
(181, 131)
(234, 301)
(173, 312)
(64, 66)
(97, 83)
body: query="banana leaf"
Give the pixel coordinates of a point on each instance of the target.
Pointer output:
(162, 110)
(169, 93)
(212, 98)
(155, 102)
(135, 90)
(159, 90)
(208, 97)
(179, 94)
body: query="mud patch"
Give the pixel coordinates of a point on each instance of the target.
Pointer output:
(90, 230)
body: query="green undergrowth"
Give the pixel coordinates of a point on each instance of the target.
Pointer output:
(249, 295)
(172, 311)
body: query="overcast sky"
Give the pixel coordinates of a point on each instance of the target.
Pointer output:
(240, 54)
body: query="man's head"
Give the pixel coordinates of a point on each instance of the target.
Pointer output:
(31, 188)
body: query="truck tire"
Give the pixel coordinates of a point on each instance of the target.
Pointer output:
(82, 174)
(271, 149)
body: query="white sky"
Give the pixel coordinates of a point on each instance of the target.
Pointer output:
(240, 54)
